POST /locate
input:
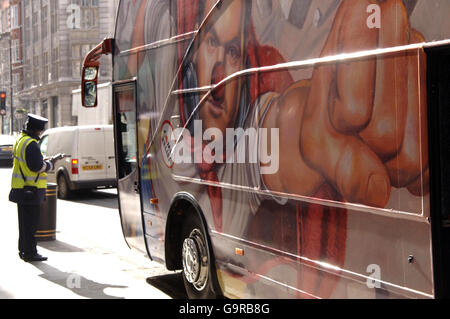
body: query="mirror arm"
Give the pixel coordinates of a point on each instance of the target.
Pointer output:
(103, 48)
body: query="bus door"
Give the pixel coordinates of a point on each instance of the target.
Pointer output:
(438, 73)
(128, 185)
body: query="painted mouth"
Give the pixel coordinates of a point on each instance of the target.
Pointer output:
(215, 108)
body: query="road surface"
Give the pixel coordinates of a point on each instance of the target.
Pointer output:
(88, 259)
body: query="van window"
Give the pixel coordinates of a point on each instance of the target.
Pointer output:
(44, 145)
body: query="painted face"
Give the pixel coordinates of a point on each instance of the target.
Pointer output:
(218, 56)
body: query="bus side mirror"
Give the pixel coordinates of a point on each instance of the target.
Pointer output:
(89, 86)
(91, 66)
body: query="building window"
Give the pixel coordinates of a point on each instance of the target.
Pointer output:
(55, 64)
(36, 70)
(16, 80)
(76, 51)
(14, 16)
(27, 7)
(44, 24)
(76, 69)
(55, 111)
(85, 49)
(27, 28)
(27, 74)
(35, 27)
(54, 16)
(45, 108)
(88, 13)
(79, 51)
(45, 68)
(15, 51)
(3, 22)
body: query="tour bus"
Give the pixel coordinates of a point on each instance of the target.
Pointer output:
(284, 149)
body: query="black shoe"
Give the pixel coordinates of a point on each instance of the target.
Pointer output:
(36, 257)
(21, 255)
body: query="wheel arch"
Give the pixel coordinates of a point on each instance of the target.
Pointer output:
(63, 170)
(182, 204)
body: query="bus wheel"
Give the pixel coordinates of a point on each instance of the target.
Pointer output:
(63, 187)
(197, 267)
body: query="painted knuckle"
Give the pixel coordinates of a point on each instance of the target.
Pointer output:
(361, 177)
(354, 110)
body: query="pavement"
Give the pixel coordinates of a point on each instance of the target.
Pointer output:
(89, 258)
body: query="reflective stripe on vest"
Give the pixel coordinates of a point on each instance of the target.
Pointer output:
(31, 178)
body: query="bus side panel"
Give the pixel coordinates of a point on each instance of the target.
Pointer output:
(303, 225)
(379, 249)
(372, 153)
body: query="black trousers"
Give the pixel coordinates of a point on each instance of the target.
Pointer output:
(28, 223)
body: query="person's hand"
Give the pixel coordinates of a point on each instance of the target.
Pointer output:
(364, 126)
(56, 158)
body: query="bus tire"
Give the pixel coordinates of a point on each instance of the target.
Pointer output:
(63, 187)
(198, 273)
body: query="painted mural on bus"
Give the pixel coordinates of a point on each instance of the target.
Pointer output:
(306, 152)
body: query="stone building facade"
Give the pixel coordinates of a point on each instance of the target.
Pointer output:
(54, 36)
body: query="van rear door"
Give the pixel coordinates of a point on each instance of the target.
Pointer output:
(92, 162)
(109, 151)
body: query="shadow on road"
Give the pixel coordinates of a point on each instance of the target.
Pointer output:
(107, 199)
(76, 283)
(171, 285)
(59, 246)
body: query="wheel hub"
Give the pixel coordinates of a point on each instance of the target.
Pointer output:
(195, 260)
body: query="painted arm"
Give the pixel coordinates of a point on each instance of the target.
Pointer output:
(357, 126)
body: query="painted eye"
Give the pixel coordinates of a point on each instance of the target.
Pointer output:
(234, 53)
(212, 42)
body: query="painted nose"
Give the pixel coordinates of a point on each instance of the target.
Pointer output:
(218, 74)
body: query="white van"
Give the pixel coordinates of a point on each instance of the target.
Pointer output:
(90, 161)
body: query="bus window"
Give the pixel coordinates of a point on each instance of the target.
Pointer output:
(126, 129)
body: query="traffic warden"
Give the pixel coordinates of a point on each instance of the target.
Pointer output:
(29, 183)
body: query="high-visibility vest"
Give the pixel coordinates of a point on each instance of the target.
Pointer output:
(38, 180)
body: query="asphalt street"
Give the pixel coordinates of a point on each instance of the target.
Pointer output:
(88, 259)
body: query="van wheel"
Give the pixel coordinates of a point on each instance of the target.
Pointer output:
(198, 267)
(63, 187)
